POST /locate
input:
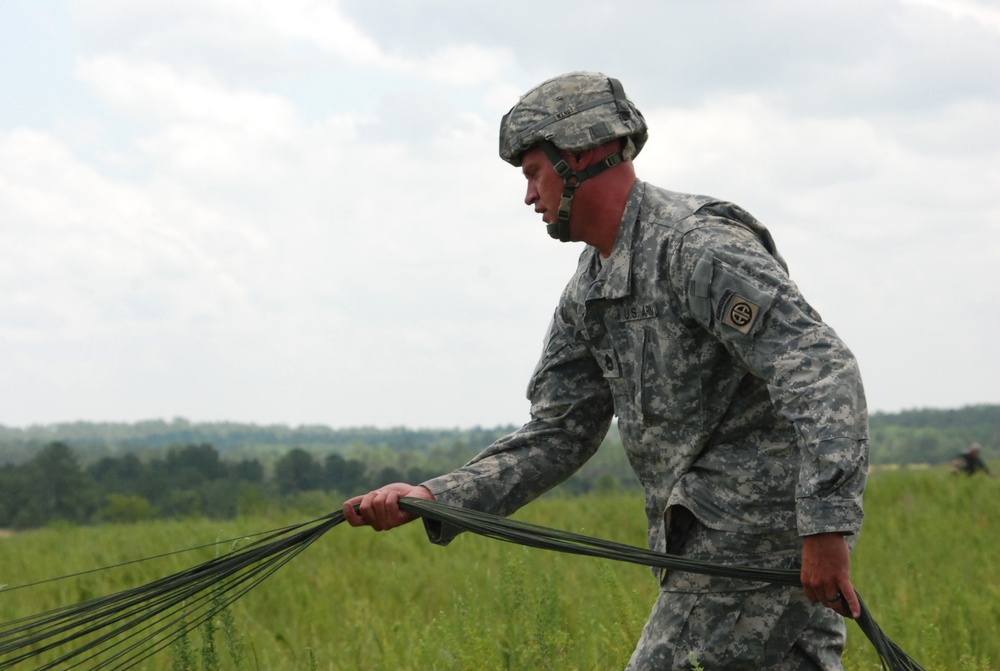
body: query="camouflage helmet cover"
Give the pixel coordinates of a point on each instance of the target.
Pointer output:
(574, 111)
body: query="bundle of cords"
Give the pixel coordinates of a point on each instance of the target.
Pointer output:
(120, 630)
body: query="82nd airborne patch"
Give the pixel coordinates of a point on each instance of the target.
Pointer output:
(737, 312)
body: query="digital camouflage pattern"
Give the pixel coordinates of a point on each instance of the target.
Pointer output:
(734, 400)
(574, 111)
(775, 628)
(726, 623)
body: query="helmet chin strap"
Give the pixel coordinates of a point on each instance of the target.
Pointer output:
(560, 229)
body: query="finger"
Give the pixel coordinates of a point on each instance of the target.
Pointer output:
(849, 601)
(352, 517)
(841, 604)
(836, 604)
(831, 601)
(378, 511)
(367, 509)
(385, 508)
(390, 510)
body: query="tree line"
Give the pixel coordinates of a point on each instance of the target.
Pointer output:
(933, 436)
(926, 436)
(92, 473)
(98, 439)
(195, 480)
(186, 480)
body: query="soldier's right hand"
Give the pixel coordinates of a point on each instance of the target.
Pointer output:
(379, 509)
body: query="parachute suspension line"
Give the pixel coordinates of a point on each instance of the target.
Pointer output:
(891, 656)
(120, 630)
(273, 533)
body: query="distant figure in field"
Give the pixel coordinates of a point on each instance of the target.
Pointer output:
(971, 462)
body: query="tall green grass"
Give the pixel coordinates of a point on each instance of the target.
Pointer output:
(926, 563)
(364, 600)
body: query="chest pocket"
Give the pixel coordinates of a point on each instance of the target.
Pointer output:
(670, 388)
(653, 370)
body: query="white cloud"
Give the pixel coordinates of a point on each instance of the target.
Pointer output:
(982, 12)
(157, 92)
(86, 247)
(295, 212)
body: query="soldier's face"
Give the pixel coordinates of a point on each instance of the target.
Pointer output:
(544, 185)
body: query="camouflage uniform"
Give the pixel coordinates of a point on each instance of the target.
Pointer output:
(734, 402)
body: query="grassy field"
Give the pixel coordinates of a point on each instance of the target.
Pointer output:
(364, 600)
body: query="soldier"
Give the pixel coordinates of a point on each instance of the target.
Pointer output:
(741, 411)
(971, 462)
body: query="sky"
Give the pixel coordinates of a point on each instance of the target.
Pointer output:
(293, 212)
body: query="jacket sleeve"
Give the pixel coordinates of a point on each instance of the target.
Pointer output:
(571, 411)
(737, 287)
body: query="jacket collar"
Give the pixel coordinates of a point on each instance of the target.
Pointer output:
(614, 279)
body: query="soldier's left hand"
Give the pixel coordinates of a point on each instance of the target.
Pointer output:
(826, 573)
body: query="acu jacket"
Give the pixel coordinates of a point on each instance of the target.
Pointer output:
(734, 399)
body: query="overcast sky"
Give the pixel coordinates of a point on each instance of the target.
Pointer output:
(290, 211)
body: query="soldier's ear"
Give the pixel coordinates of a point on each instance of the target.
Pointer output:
(581, 159)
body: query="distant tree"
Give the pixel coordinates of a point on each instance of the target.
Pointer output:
(346, 476)
(297, 471)
(189, 480)
(183, 503)
(387, 475)
(418, 474)
(52, 487)
(191, 465)
(14, 487)
(120, 475)
(247, 470)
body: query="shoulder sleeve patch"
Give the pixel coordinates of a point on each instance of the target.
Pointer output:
(726, 300)
(737, 311)
(739, 303)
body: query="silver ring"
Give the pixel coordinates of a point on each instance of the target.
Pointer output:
(836, 598)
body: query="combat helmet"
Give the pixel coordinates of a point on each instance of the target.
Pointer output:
(572, 112)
